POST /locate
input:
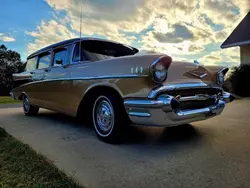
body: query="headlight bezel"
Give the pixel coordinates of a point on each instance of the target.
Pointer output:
(159, 69)
(221, 76)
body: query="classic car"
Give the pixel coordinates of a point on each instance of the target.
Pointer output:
(112, 86)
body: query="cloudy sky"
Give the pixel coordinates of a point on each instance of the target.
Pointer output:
(185, 29)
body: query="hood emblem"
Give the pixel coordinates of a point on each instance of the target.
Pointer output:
(198, 74)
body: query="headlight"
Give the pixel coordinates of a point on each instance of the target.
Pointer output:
(220, 78)
(160, 73)
(159, 68)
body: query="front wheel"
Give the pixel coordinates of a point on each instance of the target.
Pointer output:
(109, 118)
(29, 109)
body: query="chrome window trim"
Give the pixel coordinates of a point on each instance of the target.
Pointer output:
(72, 53)
(90, 78)
(154, 92)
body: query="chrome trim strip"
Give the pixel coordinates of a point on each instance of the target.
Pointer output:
(196, 97)
(154, 92)
(90, 78)
(139, 114)
(192, 112)
(145, 103)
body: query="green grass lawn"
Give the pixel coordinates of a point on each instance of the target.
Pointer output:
(20, 166)
(5, 100)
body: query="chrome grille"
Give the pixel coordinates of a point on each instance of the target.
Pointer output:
(184, 105)
(209, 98)
(193, 92)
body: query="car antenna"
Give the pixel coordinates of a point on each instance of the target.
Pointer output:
(80, 45)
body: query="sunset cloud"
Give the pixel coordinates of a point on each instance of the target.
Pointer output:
(184, 29)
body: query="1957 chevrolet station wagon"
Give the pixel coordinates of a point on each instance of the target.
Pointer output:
(111, 86)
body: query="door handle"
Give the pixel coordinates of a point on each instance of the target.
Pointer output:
(32, 72)
(47, 70)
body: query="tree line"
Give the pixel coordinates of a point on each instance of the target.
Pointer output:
(10, 62)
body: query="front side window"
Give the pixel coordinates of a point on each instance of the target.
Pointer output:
(60, 57)
(31, 64)
(44, 61)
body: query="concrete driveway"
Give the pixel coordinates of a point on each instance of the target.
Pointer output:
(212, 153)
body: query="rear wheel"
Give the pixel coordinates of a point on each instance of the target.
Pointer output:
(29, 109)
(109, 118)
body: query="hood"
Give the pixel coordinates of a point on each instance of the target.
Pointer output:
(185, 72)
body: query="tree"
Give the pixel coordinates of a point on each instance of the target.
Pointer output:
(10, 62)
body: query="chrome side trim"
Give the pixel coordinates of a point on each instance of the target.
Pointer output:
(154, 92)
(90, 78)
(139, 114)
(144, 103)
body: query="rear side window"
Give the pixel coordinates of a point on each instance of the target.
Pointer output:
(44, 61)
(76, 54)
(31, 64)
(60, 57)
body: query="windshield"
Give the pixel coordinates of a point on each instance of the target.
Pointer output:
(97, 50)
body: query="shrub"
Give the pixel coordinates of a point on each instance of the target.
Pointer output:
(239, 81)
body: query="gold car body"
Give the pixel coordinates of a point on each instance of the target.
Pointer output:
(64, 88)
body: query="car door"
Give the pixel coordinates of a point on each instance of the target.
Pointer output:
(34, 89)
(56, 81)
(38, 75)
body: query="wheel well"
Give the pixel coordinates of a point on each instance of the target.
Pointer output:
(88, 100)
(21, 96)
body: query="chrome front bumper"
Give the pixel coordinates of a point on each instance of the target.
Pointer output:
(163, 111)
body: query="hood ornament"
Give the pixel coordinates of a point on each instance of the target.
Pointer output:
(198, 74)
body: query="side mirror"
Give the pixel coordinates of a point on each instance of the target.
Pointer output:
(59, 61)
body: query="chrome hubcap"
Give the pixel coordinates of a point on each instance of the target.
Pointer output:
(103, 116)
(26, 104)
